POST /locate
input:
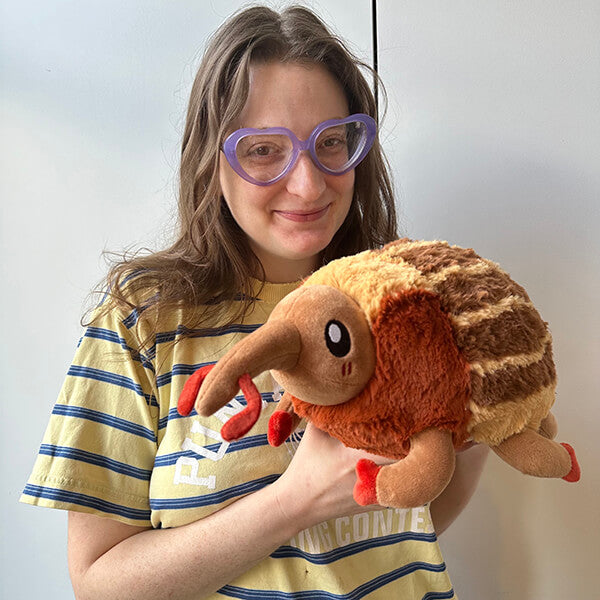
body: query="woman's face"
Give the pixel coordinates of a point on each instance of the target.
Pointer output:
(291, 221)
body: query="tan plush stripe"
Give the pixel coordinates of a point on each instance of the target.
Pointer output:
(493, 424)
(467, 319)
(367, 278)
(513, 381)
(485, 367)
(495, 338)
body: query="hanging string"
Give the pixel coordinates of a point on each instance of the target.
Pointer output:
(375, 61)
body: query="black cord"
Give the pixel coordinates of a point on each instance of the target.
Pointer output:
(375, 60)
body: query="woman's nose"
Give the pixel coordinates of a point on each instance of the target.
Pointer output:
(306, 180)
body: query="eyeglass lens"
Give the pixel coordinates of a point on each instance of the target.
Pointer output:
(266, 156)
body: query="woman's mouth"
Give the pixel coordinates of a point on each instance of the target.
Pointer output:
(301, 216)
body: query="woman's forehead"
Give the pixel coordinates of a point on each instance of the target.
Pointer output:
(294, 95)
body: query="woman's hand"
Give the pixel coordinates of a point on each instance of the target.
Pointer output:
(319, 482)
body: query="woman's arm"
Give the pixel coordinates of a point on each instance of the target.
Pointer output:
(110, 560)
(450, 503)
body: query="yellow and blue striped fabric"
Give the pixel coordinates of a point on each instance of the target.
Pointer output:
(115, 446)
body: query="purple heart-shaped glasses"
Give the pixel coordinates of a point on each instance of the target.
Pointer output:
(264, 156)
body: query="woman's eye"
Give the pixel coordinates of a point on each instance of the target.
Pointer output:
(260, 147)
(262, 151)
(333, 143)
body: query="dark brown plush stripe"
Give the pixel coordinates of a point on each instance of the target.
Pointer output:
(433, 258)
(513, 382)
(512, 332)
(463, 291)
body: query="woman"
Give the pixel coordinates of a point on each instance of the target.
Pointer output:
(159, 505)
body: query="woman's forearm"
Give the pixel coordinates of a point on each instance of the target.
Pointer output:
(111, 560)
(192, 561)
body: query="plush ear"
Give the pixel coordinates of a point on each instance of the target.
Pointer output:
(422, 371)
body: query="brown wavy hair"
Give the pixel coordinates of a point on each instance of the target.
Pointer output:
(210, 260)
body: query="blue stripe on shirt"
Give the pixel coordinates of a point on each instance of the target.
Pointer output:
(131, 319)
(187, 369)
(169, 336)
(113, 379)
(214, 498)
(174, 415)
(166, 337)
(439, 595)
(134, 315)
(95, 459)
(108, 335)
(38, 491)
(360, 592)
(79, 412)
(252, 441)
(179, 369)
(354, 548)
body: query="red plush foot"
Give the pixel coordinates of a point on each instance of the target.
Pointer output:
(575, 473)
(365, 492)
(187, 399)
(241, 423)
(280, 427)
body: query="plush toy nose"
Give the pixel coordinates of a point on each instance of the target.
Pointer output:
(275, 345)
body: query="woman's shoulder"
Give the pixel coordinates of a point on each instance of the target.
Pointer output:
(124, 303)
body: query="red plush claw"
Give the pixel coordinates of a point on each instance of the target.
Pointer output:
(575, 473)
(280, 427)
(188, 396)
(365, 491)
(240, 424)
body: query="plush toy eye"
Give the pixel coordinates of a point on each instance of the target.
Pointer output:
(337, 338)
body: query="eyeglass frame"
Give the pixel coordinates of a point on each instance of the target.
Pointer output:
(230, 144)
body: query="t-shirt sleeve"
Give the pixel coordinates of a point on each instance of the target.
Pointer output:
(99, 447)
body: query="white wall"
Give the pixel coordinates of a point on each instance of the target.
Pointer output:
(494, 135)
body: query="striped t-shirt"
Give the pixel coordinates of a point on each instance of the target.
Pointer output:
(115, 446)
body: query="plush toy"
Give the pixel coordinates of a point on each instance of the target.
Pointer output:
(408, 352)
